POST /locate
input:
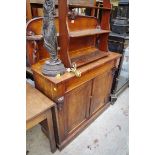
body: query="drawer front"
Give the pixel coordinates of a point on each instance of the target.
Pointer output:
(77, 81)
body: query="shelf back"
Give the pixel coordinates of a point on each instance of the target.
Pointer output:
(82, 23)
(79, 24)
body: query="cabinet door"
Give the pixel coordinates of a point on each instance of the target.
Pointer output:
(76, 107)
(101, 91)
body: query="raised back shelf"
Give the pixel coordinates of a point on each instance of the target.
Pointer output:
(81, 39)
(87, 39)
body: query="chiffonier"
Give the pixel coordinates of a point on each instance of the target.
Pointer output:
(83, 41)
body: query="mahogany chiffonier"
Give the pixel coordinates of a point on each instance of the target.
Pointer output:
(79, 100)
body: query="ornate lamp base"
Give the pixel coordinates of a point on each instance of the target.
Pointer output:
(53, 68)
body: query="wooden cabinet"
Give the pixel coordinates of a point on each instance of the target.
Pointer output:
(83, 101)
(82, 40)
(79, 100)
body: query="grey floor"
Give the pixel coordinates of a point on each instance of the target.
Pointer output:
(107, 135)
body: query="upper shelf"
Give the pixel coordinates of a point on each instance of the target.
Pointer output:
(36, 37)
(89, 32)
(86, 6)
(73, 34)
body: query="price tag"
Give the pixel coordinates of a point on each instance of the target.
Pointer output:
(72, 21)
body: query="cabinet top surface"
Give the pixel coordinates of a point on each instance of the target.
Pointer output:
(37, 68)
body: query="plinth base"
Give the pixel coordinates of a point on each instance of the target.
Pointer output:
(53, 68)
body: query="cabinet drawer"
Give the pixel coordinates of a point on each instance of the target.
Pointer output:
(77, 81)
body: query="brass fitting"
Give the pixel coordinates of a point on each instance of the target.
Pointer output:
(74, 70)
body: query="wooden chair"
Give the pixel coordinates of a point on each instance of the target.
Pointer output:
(38, 108)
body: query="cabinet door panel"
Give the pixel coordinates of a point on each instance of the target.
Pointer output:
(77, 106)
(100, 91)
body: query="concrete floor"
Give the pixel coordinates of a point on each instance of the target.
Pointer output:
(107, 135)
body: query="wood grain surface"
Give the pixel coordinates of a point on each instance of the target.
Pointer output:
(36, 102)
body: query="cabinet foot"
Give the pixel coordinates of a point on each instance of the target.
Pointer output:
(113, 99)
